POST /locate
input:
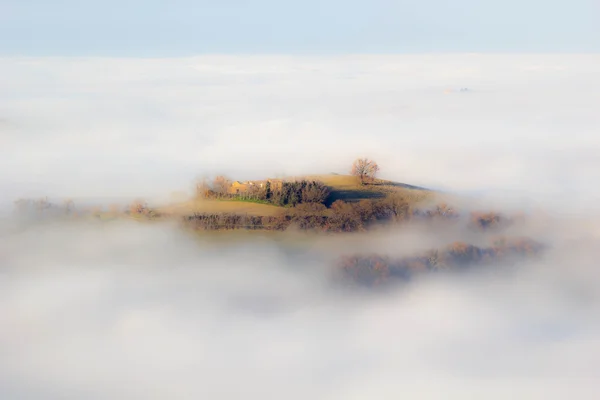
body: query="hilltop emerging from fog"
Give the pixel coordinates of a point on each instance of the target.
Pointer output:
(272, 196)
(327, 203)
(333, 204)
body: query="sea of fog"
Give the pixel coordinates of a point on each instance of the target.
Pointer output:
(102, 127)
(123, 310)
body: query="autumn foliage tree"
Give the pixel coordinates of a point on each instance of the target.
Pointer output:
(364, 169)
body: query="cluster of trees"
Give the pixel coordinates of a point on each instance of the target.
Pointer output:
(289, 193)
(219, 187)
(489, 220)
(27, 205)
(216, 188)
(139, 207)
(341, 217)
(441, 211)
(285, 194)
(230, 221)
(482, 221)
(43, 205)
(375, 270)
(298, 192)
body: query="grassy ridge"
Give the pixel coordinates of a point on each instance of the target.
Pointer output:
(343, 187)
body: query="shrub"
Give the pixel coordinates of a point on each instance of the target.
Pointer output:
(489, 220)
(314, 192)
(396, 206)
(344, 218)
(138, 207)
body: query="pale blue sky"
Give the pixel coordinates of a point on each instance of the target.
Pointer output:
(188, 27)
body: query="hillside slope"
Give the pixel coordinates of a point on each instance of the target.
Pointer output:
(343, 187)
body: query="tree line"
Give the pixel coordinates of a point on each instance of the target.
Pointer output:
(375, 270)
(344, 216)
(284, 194)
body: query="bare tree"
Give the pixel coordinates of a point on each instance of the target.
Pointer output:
(203, 188)
(399, 205)
(257, 192)
(314, 192)
(364, 169)
(221, 184)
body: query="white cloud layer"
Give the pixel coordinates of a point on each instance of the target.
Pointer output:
(128, 127)
(135, 311)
